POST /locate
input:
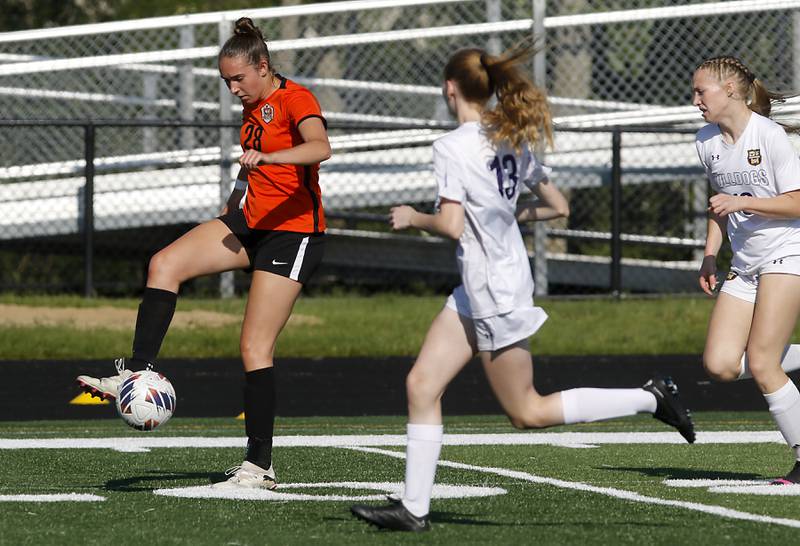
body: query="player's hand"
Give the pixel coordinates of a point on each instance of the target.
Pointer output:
(251, 159)
(723, 204)
(400, 217)
(708, 275)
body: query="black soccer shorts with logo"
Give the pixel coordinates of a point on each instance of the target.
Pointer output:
(286, 253)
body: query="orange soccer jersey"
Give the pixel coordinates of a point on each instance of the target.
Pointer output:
(281, 196)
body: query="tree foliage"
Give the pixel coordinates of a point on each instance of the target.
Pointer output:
(31, 14)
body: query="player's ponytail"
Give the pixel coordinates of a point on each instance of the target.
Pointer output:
(752, 90)
(761, 98)
(248, 42)
(521, 113)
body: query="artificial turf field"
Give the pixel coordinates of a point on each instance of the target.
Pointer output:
(627, 481)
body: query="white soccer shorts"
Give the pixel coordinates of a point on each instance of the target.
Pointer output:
(745, 287)
(498, 331)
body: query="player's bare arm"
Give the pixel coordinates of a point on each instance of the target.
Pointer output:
(550, 204)
(314, 149)
(786, 205)
(708, 268)
(237, 193)
(448, 221)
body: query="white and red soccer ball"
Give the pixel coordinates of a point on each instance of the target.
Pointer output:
(146, 400)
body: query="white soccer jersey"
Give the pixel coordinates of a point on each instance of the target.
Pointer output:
(491, 253)
(762, 163)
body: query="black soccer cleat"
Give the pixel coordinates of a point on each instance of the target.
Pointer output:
(792, 478)
(670, 410)
(395, 517)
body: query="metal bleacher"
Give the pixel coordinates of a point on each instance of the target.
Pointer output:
(384, 161)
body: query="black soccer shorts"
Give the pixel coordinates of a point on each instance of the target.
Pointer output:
(286, 253)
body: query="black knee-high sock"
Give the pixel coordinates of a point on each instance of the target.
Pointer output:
(152, 322)
(259, 415)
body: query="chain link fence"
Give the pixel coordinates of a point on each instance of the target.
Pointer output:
(376, 68)
(93, 231)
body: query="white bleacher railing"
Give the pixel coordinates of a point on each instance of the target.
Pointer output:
(375, 62)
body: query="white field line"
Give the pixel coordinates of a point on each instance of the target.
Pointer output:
(763, 489)
(440, 491)
(712, 483)
(739, 487)
(60, 497)
(608, 491)
(563, 439)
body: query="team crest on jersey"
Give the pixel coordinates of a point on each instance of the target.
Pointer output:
(267, 113)
(754, 157)
(731, 275)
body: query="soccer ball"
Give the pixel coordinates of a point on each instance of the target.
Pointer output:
(146, 400)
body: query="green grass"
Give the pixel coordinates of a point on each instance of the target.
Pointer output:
(368, 424)
(374, 326)
(529, 513)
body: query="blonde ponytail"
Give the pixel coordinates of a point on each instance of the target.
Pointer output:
(522, 113)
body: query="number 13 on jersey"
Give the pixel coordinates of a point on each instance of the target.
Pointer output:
(502, 169)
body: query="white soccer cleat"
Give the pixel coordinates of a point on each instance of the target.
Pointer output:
(248, 476)
(106, 388)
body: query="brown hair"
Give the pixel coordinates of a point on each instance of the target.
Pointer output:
(247, 41)
(522, 113)
(757, 97)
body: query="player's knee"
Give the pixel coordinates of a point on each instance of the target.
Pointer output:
(420, 390)
(761, 363)
(721, 367)
(254, 351)
(518, 422)
(161, 268)
(415, 382)
(529, 419)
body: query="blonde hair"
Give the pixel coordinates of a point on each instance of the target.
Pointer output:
(248, 42)
(755, 94)
(522, 113)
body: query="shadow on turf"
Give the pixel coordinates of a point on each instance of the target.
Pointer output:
(447, 517)
(685, 473)
(131, 484)
(440, 518)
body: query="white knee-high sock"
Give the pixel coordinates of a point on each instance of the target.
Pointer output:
(422, 455)
(784, 405)
(790, 361)
(586, 405)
